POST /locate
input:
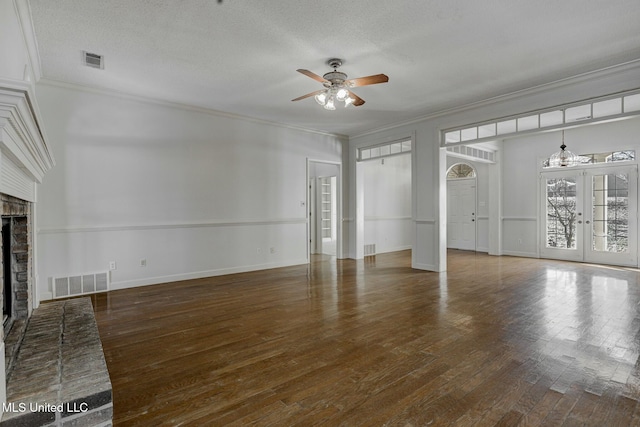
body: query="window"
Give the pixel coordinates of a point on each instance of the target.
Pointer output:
(384, 150)
(592, 110)
(606, 157)
(461, 170)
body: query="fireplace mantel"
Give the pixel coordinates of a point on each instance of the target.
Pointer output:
(22, 139)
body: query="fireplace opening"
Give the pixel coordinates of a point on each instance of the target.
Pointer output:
(7, 285)
(15, 266)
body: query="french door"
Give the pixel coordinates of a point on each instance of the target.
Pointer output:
(590, 215)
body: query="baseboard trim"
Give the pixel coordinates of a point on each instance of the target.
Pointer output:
(202, 274)
(520, 254)
(427, 267)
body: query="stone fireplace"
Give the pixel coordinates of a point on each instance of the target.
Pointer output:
(24, 160)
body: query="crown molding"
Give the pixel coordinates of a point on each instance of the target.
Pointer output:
(23, 10)
(523, 93)
(186, 107)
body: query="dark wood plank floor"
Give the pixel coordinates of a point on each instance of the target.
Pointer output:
(494, 341)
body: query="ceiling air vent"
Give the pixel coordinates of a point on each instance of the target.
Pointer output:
(93, 60)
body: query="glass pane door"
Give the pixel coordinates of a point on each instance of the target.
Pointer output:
(562, 214)
(590, 215)
(612, 225)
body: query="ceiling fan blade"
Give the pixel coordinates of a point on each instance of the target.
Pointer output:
(308, 95)
(314, 76)
(358, 101)
(369, 80)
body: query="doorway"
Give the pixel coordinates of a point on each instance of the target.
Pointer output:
(590, 215)
(461, 207)
(324, 228)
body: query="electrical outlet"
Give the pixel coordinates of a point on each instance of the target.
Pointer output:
(143, 262)
(272, 250)
(112, 265)
(258, 250)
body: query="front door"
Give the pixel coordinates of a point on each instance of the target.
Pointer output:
(461, 214)
(590, 215)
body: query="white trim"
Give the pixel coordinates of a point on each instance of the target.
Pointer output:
(136, 227)
(427, 267)
(394, 249)
(185, 107)
(520, 254)
(23, 10)
(202, 274)
(339, 207)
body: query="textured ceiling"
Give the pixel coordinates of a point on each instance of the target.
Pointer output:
(240, 56)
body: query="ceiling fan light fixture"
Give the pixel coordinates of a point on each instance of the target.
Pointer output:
(321, 98)
(330, 105)
(337, 86)
(348, 101)
(342, 94)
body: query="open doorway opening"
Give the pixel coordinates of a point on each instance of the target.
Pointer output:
(324, 228)
(387, 204)
(461, 207)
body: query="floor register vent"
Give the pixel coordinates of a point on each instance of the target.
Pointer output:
(63, 287)
(370, 249)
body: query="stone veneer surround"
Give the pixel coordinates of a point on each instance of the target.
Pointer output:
(19, 212)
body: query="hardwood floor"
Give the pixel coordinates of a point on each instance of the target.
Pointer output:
(495, 341)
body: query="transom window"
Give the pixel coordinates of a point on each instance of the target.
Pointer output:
(461, 170)
(606, 157)
(384, 150)
(589, 111)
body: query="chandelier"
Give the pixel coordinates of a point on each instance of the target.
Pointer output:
(563, 158)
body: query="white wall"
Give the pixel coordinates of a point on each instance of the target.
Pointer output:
(195, 194)
(387, 203)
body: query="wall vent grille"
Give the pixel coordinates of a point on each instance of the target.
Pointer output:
(370, 249)
(93, 60)
(83, 284)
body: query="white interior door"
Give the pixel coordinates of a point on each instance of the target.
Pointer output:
(461, 214)
(590, 215)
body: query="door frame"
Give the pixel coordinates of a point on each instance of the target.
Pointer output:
(339, 228)
(475, 206)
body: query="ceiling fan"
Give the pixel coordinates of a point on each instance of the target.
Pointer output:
(338, 87)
